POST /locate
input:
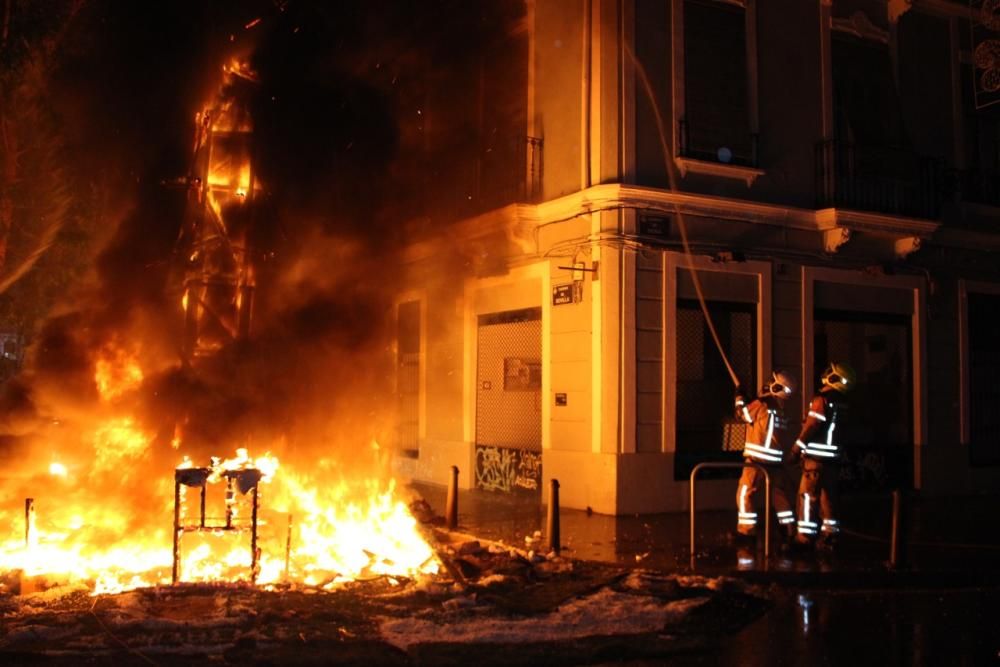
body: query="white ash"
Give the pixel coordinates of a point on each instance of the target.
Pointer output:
(606, 612)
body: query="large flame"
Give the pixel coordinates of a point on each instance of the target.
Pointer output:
(317, 528)
(116, 372)
(103, 483)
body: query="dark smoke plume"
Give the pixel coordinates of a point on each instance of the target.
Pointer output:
(340, 111)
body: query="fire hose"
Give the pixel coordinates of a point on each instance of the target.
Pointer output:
(671, 171)
(672, 182)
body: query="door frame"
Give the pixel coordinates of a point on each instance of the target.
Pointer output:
(918, 353)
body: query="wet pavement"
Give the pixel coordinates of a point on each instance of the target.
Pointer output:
(939, 607)
(923, 628)
(952, 541)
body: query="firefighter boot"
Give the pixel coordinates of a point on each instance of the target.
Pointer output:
(827, 542)
(787, 540)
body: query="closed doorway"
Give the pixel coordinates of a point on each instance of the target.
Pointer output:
(509, 401)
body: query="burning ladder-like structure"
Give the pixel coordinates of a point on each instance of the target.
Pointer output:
(245, 480)
(219, 280)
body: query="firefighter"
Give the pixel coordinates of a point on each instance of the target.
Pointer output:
(765, 419)
(819, 452)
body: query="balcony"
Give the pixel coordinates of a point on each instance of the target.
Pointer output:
(880, 180)
(506, 170)
(977, 186)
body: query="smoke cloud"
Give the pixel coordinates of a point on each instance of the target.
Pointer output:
(344, 148)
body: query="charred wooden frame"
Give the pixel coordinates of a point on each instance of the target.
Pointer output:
(245, 481)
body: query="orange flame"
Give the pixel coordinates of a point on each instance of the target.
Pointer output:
(342, 530)
(116, 372)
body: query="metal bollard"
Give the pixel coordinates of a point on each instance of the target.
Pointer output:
(29, 521)
(451, 506)
(552, 524)
(288, 547)
(897, 541)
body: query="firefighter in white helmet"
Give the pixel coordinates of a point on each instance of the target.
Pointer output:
(819, 451)
(766, 423)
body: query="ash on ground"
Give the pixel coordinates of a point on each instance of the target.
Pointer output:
(494, 603)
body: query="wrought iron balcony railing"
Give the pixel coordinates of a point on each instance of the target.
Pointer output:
(503, 171)
(509, 170)
(978, 186)
(881, 180)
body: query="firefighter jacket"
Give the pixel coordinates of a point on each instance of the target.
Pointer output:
(817, 438)
(765, 420)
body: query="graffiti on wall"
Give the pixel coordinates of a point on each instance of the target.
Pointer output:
(876, 468)
(507, 470)
(529, 471)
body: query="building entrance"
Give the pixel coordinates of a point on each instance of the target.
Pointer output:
(877, 432)
(509, 402)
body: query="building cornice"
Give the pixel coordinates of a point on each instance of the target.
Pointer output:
(517, 224)
(878, 223)
(861, 27)
(614, 195)
(967, 239)
(897, 8)
(686, 165)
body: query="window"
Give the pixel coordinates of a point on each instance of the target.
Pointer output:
(870, 164)
(704, 388)
(878, 347)
(866, 103)
(408, 376)
(983, 312)
(981, 127)
(717, 123)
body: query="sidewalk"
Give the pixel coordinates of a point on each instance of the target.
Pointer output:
(951, 541)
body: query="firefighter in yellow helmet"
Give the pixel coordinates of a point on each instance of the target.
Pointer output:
(818, 448)
(765, 420)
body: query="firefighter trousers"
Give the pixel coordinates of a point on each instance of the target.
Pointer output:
(747, 502)
(817, 498)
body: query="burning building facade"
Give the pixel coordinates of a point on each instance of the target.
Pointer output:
(840, 204)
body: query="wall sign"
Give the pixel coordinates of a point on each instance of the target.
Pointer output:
(521, 374)
(562, 294)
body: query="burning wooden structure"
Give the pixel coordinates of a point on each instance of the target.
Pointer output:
(218, 283)
(244, 481)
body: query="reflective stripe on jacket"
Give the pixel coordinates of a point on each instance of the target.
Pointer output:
(818, 436)
(765, 420)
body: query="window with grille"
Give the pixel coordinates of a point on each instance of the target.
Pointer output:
(408, 376)
(704, 388)
(984, 368)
